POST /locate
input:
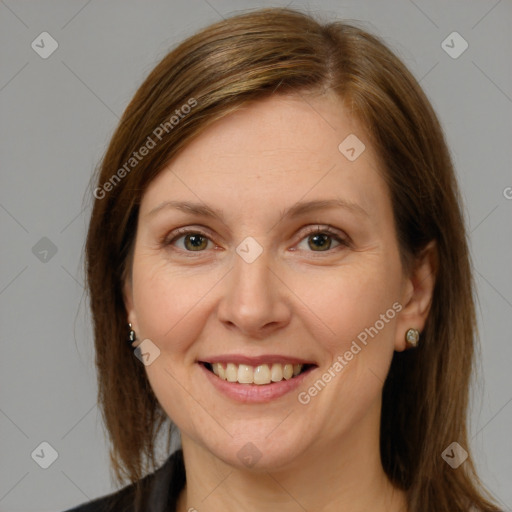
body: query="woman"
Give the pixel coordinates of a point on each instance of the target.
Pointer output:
(277, 231)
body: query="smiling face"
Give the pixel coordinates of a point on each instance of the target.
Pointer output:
(247, 276)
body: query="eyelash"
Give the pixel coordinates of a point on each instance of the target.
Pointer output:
(323, 230)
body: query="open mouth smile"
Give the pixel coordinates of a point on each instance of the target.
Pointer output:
(258, 382)
(259, 375)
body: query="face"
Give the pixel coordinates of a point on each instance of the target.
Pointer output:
(297, 265)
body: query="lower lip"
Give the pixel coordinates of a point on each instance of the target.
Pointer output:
(255, 393)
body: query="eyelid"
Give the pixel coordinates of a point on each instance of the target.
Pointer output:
(178, 233)
(341, 237)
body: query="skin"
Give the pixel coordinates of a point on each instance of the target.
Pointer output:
(293, 300)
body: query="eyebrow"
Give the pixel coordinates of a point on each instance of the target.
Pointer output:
(294, 211)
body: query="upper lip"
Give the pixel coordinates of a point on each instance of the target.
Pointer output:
(255, 361)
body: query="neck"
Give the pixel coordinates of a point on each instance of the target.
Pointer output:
(345, 474)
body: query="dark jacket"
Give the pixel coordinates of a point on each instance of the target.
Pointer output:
(161, 491)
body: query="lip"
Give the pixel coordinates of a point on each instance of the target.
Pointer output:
(255, 361)
(255, 393)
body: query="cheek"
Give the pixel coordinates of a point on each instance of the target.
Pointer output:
(170, 313)
(357, 307)
(348, 301)
(169, 302)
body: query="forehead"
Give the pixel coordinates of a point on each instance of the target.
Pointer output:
(275, 150)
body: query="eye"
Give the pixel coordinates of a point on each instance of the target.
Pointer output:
(192, 240)
(320, 239)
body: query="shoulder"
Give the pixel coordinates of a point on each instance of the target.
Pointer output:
(121, 500)
(161, 491)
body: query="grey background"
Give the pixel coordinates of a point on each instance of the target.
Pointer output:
(57, 115)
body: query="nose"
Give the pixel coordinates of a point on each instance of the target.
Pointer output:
(254, 299)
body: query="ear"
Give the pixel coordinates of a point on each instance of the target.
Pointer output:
(128, 303)
(417, 293)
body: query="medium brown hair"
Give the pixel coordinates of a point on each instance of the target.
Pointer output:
(247, 58)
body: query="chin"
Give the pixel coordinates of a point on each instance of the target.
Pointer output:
(265, 447)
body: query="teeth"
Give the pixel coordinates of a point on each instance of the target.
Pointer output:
(245, 374)
(231, 372)
(262, 374)
(277, 372)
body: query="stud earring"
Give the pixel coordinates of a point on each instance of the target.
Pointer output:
(131, 336)
(412, 336)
